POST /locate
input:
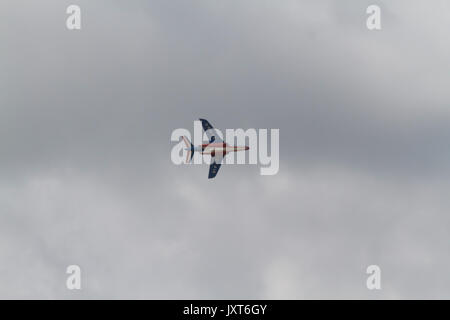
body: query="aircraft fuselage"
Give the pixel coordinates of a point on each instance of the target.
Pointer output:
(218, 148)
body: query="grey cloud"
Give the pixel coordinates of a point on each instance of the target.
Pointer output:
(85, 124)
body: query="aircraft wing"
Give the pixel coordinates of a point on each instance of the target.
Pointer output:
(214, 167)
(211, 133)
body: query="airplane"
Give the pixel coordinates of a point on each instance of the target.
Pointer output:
(216, 147)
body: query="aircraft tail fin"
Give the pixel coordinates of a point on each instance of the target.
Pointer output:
(189, 148)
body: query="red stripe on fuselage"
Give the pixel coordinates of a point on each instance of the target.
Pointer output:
(216, 145)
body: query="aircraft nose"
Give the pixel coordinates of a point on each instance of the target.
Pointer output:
(247, 148)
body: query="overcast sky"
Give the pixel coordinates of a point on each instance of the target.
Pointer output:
(85, 170)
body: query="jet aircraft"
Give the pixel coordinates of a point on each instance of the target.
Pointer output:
(216, 147)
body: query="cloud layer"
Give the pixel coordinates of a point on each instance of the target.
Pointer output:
(85, 124)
